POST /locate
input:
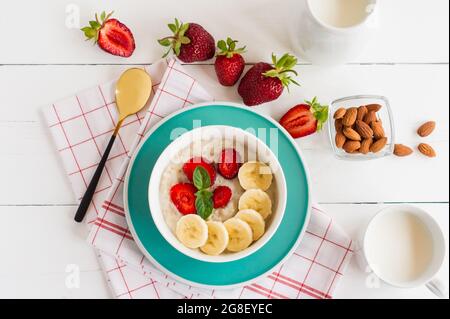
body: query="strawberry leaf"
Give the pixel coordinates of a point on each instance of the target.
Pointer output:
(222, 45)
(108, 16)
(183, 29)
(94, 24)
(177, 39)
(92, 31)
(185, 40)
(282, 68)
(320, 112)
(165, 42)
(89, 33)
(204, 204)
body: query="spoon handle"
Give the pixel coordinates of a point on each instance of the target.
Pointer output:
(87, 198)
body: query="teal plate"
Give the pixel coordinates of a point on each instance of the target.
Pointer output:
(199, 273)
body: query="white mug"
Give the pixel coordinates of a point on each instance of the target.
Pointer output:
(331, 32)
(404, 247)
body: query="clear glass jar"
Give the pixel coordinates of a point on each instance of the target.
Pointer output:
(384, 114)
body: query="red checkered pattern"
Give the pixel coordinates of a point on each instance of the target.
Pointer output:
(81, 127)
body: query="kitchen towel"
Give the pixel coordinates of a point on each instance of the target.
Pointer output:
(81, 126)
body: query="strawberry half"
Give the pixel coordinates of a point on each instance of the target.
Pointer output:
(221, 196)
(229, 163)
(190, 42)
(183, 197)
(264, 83)
(305, 119)
(229, 63)
(111, 35)
(191, 165)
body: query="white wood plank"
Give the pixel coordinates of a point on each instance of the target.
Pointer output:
(36, 260)
(413, 99)
(37, 246)
(410, 30)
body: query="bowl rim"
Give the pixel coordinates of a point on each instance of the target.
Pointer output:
(170, 237)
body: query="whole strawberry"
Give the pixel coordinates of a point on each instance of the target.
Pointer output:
(229, 63)
(190, 42)
(111, 35)
(264, 82)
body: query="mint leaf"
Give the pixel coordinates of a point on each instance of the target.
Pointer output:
(201, 178)
(204, 203)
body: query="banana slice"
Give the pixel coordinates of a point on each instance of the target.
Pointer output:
(257, 200)
(217, 239)
(254, 220)
(255, 175)
(192, 231)
(240, 234)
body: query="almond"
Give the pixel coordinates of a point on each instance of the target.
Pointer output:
(378, 145)
(350, 116)
(374, 107)
(370, 117)
(351, 146)
(402, 150)
(365, 145)
(351, 134)
(362, 111)
(338, 125)
(377, 128)
(363, 129)
(340, 112)
(340, 140)
(426, 150)
(426, 128)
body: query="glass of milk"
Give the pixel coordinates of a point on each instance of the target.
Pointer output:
(404, 246)
(331, 32)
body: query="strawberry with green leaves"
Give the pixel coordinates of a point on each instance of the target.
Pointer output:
(190, 42)
(111, 35)
(305, 119)
(229, 63)
(264, 82)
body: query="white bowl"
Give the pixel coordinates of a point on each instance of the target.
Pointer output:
(254, 146)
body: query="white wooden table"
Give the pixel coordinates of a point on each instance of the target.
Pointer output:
(42, 60)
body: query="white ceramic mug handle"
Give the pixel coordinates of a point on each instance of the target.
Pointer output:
(437, 287)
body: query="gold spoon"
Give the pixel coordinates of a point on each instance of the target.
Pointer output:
(132, 93)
